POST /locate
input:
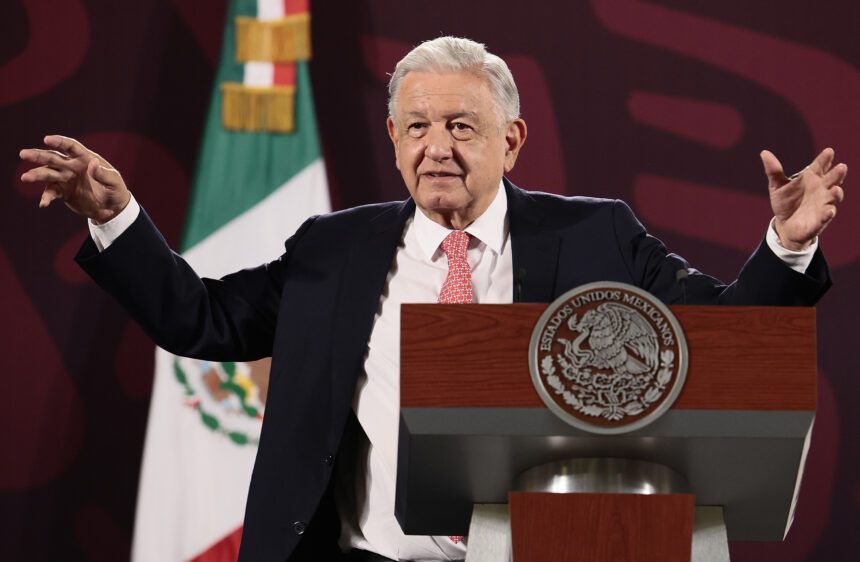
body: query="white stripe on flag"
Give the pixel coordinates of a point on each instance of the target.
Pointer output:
(257, 235)
(270, 9)
(260, 74)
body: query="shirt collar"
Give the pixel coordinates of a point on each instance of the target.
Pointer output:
(490, 228)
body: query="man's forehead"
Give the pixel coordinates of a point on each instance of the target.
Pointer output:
(459, 93)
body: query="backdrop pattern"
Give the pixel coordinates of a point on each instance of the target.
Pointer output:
(664, 103)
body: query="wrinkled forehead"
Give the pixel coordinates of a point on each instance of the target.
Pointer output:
(432, 94)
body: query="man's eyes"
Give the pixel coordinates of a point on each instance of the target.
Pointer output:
(420, 127)
(416, 129)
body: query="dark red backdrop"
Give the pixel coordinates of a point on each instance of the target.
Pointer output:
(663, 103)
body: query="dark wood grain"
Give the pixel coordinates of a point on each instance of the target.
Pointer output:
(601, 527)
(744, 358)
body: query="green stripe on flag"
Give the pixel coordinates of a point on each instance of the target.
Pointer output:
(236, 169)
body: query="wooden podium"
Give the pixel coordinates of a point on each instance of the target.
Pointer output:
(472, 422)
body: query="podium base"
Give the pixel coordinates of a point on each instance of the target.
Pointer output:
(598, 509)
(490, 535)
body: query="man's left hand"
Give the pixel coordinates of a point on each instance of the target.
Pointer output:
(805, 203)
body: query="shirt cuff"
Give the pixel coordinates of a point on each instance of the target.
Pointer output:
(797, 261)
(105, 234)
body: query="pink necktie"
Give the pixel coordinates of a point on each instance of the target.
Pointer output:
(457, 288)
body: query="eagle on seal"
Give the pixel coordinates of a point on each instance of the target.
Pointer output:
(619, 340)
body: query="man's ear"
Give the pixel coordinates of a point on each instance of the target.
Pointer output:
(392, 134)
(515, 137)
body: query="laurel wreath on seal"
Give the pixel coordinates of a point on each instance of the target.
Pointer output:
(584, 403)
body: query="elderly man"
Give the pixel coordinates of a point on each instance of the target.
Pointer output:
(328, 309)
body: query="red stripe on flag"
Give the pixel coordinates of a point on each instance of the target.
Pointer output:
(295, 7)
(285, 74)
(225, 550)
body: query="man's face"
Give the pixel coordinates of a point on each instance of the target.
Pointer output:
(450, 144)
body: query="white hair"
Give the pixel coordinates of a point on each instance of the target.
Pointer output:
(457, 54)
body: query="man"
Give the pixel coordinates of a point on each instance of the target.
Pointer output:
(328, 309)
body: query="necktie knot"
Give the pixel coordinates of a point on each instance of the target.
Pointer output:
(454, 245)
(458, 285)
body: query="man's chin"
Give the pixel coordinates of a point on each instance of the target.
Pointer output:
(442, 204)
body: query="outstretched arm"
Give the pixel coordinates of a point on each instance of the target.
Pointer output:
(231, 318)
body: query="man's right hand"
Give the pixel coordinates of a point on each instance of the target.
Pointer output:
(85, 181)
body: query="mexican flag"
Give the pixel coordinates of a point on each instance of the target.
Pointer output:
(260, 174)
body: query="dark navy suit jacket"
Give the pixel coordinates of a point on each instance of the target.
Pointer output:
(312, 310)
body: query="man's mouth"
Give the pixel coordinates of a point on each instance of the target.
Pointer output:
(440, 174)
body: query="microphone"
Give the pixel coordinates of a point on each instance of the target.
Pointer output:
(519, 277)
(681, 277)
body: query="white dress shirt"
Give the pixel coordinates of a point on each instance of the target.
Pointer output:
(416, 276)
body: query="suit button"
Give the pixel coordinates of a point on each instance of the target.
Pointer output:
(329, 460)
(299, 527)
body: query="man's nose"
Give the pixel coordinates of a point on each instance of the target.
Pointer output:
(439, 144)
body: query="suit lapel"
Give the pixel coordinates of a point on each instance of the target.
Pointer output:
(535, 248)
(366, 269)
